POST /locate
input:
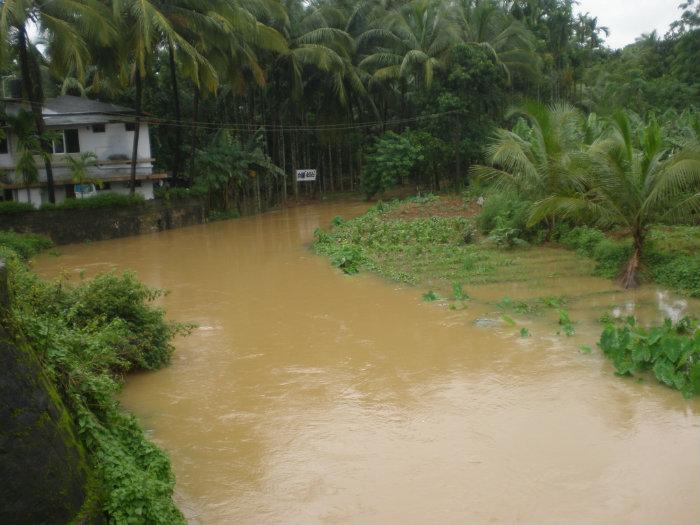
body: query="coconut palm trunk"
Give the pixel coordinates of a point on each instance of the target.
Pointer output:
(629, 276)
(178, 115)
(137, 128)
(33, 92)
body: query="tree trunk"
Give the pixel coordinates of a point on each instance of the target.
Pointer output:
(178, 115)
(137, 129)
(284, 165)
(629, 277)
(34, 93)
(193, 140)
(294, 166)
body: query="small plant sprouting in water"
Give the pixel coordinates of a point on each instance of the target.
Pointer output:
(430, 296)
(553, 302)
(519, 307)
(459, 294)
(337, 221)
(585, 349)
(508, 319)
(524, 332)
(566, 323)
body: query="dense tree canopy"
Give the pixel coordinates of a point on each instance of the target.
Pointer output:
(313, 84)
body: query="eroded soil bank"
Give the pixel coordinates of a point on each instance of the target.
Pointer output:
(308, 396)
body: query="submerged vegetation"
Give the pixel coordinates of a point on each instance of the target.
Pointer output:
(670, 352)
(444, 253)
(88, 335)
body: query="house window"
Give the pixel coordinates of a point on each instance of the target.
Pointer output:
(65, 142)
(72, 142)
(59, 144)
(98, 128)
(3, 145)
(130, 126)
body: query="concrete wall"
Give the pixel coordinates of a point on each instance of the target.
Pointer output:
(69, 226)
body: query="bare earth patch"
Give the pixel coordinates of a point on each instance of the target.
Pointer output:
(441, 207)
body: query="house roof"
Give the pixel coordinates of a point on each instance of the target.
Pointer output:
(70, 105)
(68, 110)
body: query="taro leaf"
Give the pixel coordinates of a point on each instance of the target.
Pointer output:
(665, 372)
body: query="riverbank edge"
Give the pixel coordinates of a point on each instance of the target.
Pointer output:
(65, 484)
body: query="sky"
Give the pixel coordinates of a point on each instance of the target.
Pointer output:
(628, 19)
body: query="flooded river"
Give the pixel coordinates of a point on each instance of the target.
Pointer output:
(306, 396)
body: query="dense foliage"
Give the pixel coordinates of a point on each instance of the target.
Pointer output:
(89, 335)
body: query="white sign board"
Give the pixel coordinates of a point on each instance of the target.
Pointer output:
(304, 175)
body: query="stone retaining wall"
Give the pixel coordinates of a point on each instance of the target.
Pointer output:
(79, 225)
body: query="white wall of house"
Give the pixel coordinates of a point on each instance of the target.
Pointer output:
(6, 158)
(39, 196)
(115, 140)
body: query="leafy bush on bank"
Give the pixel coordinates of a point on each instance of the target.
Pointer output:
(88, 336)
(671, 353)
(610, 255)
(12, 207)
(25, 245)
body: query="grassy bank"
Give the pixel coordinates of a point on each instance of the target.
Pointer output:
(88, 336)
(445, 245)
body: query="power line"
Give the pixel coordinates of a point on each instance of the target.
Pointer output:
(162, 121)
(281, 127)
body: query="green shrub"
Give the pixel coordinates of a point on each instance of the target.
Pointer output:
(680, 272)
(174, 194)
(26, 245)
(88, 335)
(610, 256)
(504, 211)
(671, 353)
(101, 200)
(390, 159)
(12, 207)
(582, 239)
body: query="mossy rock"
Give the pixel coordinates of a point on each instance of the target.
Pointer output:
(42, 464)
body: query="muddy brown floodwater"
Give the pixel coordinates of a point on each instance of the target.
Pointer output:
(306, 396)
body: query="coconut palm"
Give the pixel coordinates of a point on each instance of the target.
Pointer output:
(228, 33)
(411, 41)
(143, 27)
(66, 27)
(490, 26)
(633, 181)
(539, 159)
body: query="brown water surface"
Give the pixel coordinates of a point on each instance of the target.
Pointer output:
(306, 396)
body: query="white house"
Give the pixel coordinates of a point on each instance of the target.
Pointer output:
(81, 125)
